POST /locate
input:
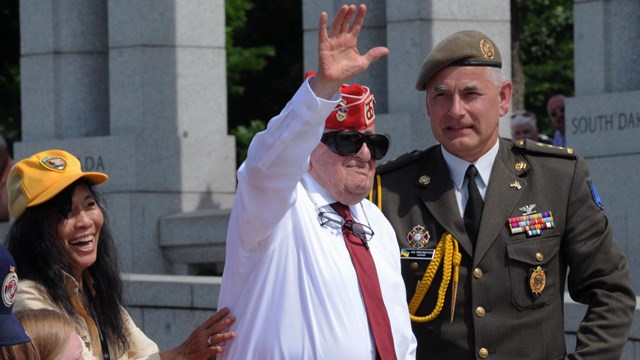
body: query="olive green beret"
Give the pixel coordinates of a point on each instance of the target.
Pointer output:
(464, 48)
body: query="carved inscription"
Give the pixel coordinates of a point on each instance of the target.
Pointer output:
(93, 163)
(621, 121)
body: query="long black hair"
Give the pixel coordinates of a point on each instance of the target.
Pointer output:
(32, 240)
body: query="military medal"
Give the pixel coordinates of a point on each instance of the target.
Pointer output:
(531, 223)
(537, 280)
(418, 237)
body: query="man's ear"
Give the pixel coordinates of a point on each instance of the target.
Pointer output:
(505, 97)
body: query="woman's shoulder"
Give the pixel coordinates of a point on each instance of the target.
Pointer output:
(32, 295)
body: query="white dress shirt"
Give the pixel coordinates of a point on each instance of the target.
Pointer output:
(458, 167)
(290, 281)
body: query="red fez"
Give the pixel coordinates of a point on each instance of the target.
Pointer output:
(355, 110)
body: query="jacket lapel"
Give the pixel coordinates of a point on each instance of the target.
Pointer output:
(439, 197)
(504, 191)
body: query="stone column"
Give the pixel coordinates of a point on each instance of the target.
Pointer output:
(136, 89)
(64, 69)
(603, 119)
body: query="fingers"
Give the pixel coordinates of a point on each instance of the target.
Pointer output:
(322, 28)
(338, 21)
(216, 318)
(357, 23)
(219, 315)
(344, 26)
(214, 348)
(340, 24)
(222, 337)
(376, 53)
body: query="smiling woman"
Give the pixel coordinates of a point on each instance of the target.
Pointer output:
(67, 261)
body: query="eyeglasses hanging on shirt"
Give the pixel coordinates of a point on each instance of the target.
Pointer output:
(349, 143)
(335, 221)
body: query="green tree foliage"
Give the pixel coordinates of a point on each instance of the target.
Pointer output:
(546, 51)
(264, 57)
(241, 59)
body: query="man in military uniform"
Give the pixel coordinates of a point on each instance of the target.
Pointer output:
(486, 260)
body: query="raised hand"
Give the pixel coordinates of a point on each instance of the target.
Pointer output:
(338, 57)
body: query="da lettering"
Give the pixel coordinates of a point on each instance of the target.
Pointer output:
(93, 163)
(628, 121)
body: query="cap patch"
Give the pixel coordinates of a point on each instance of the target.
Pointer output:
(54, 162)
(355, 110)
(10, 287)
(342, 111)
(488, 51)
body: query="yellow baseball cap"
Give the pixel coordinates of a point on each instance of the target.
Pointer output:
(36, 179)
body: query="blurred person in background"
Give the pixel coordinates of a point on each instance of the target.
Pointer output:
(555, 110)
(524, 125)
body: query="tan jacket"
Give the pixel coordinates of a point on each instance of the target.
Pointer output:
(32, 295)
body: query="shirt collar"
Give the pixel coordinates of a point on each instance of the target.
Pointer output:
(458, 167)
(318, 194)
(74, 287)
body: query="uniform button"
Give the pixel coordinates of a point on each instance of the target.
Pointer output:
(424, 180)
(480, 312)
(477, 273)
(539, 256)
(414, 266)
(483, 353)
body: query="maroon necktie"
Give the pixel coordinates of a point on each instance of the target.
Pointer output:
(370, 287)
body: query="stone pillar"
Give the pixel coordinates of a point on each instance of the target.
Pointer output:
(603, 119)
(136, 89)
(64, 70)
(410, 30)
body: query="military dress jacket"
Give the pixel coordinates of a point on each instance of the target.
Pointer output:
(511, 284)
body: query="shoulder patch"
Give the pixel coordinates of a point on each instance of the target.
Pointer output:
(594, 194)
(398, 162)
(546, 149)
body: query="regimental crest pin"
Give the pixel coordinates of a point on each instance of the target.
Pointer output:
(418, 237)
(537, 280)
(487, 49)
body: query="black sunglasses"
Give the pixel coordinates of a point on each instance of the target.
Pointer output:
(349, 142)
(557, 112)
